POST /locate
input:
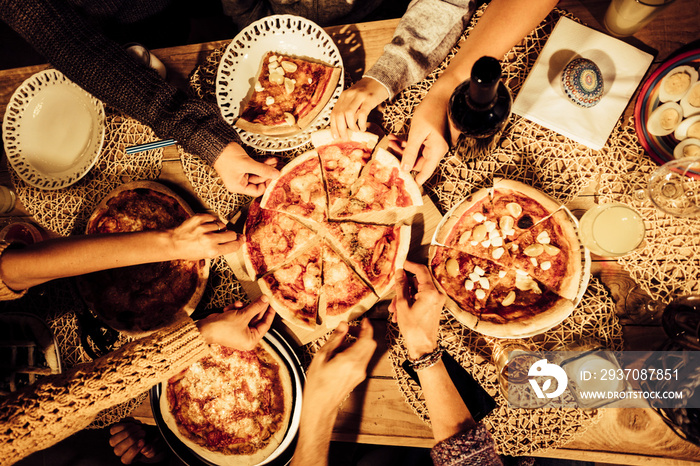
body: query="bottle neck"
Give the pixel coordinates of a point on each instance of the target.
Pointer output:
(483, 84)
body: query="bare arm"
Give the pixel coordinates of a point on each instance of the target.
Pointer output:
(503, 25)
(419, 325)
(332, 375)
(199, 237)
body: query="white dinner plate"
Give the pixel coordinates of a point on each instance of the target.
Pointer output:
(286, 34)
(53, 130)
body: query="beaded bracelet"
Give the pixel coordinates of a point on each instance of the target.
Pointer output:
(427, 360)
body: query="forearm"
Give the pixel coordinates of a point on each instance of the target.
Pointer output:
(503, 25)
(104, 69)
(77, 255)
(448, 413)
(59, 406)
(314, 434)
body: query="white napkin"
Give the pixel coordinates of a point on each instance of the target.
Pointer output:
(542, 99)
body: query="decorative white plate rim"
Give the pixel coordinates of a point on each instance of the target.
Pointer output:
(11, 133)
(288, 34)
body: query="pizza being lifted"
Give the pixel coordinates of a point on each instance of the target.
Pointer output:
(142, 298)
(288, 93)
(232, 408)
(510, 260)
(317, 267)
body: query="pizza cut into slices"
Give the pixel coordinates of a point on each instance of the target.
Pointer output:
(376, 251)
(294, 287)
(299, 191)
(288, 93)
(468, 280)
(550, 252)
(344, 295)
(472, 227)
(271, 238)
(342, 161)
(381, 188)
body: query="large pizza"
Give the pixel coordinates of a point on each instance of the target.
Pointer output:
(288, 93)
(232, 408)
(509, 259)
(142, 298)
(327, 236)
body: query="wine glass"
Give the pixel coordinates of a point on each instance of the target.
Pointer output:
(674, 187)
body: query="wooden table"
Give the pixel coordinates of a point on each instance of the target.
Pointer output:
(376, 412)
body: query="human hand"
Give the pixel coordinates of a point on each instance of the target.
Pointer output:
(237, 328)
(337, 368)
(418, 322)
(241, 174)
(203, 236)
(129, 441)
(426, 143)
(354, 105)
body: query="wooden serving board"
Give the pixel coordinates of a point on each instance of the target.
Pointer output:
(423, 225)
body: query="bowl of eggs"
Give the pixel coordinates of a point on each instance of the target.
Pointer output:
(667, 112)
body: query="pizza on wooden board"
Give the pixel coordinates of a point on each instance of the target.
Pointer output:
(232, 408)
(509, 258)
(288, 93)
(142, 298)
(343, 267)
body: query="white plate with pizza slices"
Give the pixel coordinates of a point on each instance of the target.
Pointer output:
(281, 447)
(53, 131)
(510, 261)
(239, 67)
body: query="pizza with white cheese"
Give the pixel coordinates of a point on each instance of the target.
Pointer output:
(509, 259)
(232, 408)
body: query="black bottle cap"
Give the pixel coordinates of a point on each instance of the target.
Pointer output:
(486, 73)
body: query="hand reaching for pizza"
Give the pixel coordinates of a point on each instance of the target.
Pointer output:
(241, 174)
(203, 236)
(130, 442)
(354, 105)
(237, 328)
(417, 315)
(426, 144)
(337, 368)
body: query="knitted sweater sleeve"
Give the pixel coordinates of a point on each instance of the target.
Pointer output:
(61, 405)
(102, 67)
(425, 35)
(472, 447)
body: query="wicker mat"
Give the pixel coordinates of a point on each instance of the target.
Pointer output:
(65, 211)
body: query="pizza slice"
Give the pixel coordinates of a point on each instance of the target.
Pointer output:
(288, 93)
(342, 161)
(517, 206)
(473, 228)
(272, 237)
(523, 303)
(468, 280)
(293, 288)
(344, 295)
(550, 252)
(299, 190)
(375, 251)
(381, 188)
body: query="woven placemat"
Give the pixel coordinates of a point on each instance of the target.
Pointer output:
(668, 263)
(519, 432)
(65, 211)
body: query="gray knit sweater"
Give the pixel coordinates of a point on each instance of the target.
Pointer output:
(425, 35)
(63, 32)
